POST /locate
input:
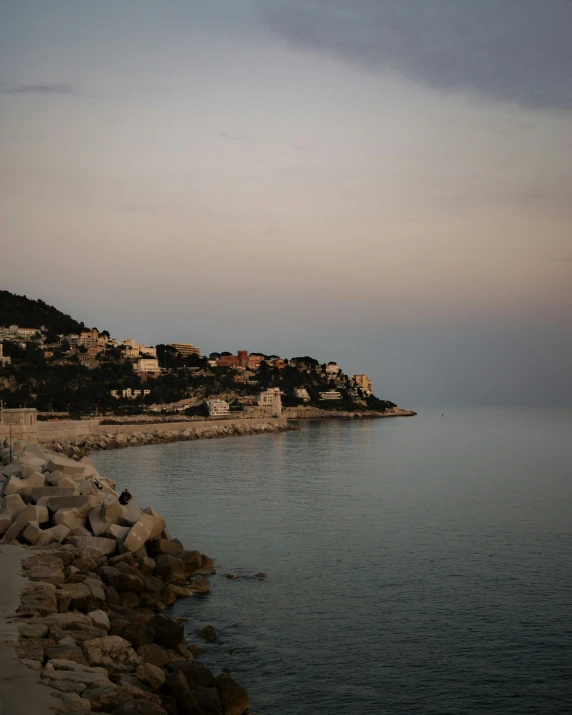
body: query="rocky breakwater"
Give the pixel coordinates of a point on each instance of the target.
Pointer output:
(207, 430)
(100, 573)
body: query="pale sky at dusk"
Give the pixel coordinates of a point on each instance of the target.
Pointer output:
(385, 183)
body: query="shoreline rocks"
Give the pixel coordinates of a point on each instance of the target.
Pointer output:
(90, 620)
(76, 449)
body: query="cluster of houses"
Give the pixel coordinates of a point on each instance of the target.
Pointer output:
(90, 347)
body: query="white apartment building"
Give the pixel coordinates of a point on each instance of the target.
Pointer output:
(271, 398)
(302, 394)
(330, 395)
(218, 408)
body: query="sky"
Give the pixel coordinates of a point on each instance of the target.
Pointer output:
(384, 184)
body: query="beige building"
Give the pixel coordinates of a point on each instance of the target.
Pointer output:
(362, 381)
(185, 348)
(147, 365)
(218, 408)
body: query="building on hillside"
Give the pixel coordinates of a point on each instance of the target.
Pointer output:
(254, 361)
(185, 349)
(238, 360)
(273, 399)
(3, 360)
(302, 394)
(332, 369)
(218, 408)
(362, 381)
(87, 361)
(331, 395)
(149, 366)
(280, 363)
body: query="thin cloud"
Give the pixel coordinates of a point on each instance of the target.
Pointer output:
(45, 88)
(508, 50)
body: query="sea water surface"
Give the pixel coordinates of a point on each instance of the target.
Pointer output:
(414, 565)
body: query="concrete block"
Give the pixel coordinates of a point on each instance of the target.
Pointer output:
(109, 512)
(31, 533)
(65, 465)
(31, 464)
(106, 546)
(80, 531)
(84, 504)
(38, 492)
(54, 477)
(12, 470)
(55, 535)
(37, 451)
(119, 533)
(26, 516)
(131, 512)
(148, 527)
(72, 518)
(15, 485)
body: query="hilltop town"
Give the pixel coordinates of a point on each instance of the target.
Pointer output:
(84, 371)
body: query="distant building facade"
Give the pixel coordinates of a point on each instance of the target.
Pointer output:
(273, 399)
(218, 408)
(362, 381)
(331, 395)
(185, 349)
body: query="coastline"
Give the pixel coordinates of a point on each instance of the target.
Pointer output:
(78, 448)
(89, 618)
(315, 413)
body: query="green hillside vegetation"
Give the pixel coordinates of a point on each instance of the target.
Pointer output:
(27, 313)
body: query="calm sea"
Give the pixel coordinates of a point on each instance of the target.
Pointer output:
(416, 565)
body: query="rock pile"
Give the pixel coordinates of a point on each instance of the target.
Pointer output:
(90, 620)
(81, 447)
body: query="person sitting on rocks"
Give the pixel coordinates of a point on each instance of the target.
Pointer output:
(125, 496)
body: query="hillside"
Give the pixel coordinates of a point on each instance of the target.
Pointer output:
(27, 313)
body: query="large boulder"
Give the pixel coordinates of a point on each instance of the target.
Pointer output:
(196, 674)
(169, 568)
(233, 697)
(84, 504)
(14, 485)
(154, 654)
(113, 653)
(28, 515)
(168, 632)
(106, 546)
(70, 517)
(11, 506)
(178, 687)
(38, 492)
(151, 676)
(138, 634)
(65, 465)
(147, 527)
(131, 512)
(55, 535)
(108, 513)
